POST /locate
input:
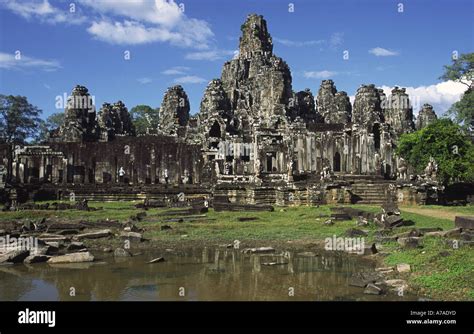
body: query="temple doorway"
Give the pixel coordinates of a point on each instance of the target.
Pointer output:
(337, 162)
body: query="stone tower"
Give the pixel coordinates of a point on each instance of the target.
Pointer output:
(333, 106)
(426, 116)
(114, 119)
(174, 110)
(367, 108)
(215, 112)
(79, 117)
(257, 83)
(304, 107)
(398, 111)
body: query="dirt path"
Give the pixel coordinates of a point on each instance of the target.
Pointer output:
(436, 213)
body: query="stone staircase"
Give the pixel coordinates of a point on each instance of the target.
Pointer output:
(375, 193)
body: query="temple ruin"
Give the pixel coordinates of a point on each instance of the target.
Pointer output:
(254, 141)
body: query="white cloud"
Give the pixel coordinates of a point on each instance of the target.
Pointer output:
(43, 11)
(210, 55)
(128, 32)
(290, 43)
(160, 12)
(124, 22)
(133, 33)
(144, 80)
(381, 52)
(10, 62)
(189, 79)
(441, 96)
(318, 74)
(147, 21)
(176, 70)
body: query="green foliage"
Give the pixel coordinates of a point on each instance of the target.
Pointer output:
(462, 70)
(447, 144)
(144, 117)
(53, 122)
(463, 110)
(19, 120)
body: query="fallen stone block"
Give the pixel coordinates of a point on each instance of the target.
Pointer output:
(36, 259)
(396, 284)
(93, 235)
(455, 232)
(53, 238)
(372, 289)
(403, 268)
(353, 232)
(393, 221)
(429, 229)
(75, 246)
(384, 270)
(72, 258)
(258, 250)
(411, 233)
(409, 242)
(132, 236)
(68, 232)
(464, 222)
(15, 256)
(340, 216)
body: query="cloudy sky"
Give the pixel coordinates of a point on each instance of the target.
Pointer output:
(133, 50)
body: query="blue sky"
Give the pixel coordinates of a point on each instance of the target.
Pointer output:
(170, 43)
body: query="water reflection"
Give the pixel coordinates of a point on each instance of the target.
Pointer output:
(205, 274)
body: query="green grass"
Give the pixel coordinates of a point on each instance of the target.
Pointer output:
(440, 277)
(291, 224)
(444, 278)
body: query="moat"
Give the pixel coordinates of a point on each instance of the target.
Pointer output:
(205, 274)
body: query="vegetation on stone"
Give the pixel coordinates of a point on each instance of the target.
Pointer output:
(447, 144)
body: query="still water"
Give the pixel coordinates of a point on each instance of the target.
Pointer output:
(195, 274)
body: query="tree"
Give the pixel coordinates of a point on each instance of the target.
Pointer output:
(463, 110)
(144, 117)
(446, 142)
(53, 122)
(19, 120)
(462, 70)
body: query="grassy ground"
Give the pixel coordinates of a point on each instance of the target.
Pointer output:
(437, 271)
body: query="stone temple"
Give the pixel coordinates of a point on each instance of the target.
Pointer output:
(254, 141)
